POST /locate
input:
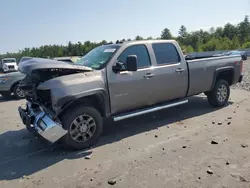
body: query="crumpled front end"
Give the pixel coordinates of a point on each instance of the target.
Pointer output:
(40, 122)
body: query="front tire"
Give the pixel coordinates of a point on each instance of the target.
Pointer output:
(219, 96)
(18, 92)
(84, 125)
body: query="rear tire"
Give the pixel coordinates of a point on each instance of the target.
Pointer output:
(84, 125)
(219, 96)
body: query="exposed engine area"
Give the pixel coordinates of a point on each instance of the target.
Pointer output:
(30, 82)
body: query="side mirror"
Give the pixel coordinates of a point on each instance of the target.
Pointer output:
(131, 63)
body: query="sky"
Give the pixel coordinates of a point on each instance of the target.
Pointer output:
(32, 23)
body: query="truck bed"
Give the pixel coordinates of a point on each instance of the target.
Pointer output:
(200, 71)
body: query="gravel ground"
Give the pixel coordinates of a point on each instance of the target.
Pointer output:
(245, 84)
(191, 146)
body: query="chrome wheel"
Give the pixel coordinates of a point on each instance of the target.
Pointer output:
(20, 93)
(222, 93)
(82, 128)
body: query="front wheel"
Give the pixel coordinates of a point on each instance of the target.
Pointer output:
(84, 125)
(18, 92)
(219, 96)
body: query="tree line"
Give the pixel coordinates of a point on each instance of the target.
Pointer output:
(228, 37)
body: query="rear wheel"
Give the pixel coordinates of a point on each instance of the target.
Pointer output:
(18, 92)
(84, 125)
(219, 96)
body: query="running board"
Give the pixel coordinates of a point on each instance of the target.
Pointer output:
(148, 110)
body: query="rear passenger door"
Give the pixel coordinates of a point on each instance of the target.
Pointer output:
(171, 73)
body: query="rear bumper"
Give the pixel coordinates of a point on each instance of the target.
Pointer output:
(240, 79)
(38, 122)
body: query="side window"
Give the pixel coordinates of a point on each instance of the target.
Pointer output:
(140, 51)
(166, 53)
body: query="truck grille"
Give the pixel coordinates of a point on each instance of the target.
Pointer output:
(11, 67)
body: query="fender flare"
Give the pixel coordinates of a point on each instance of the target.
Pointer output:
(218, 71)
(14, 84)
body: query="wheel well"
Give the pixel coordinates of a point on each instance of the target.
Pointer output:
(93, 100)
(13, 85)
(226, 75)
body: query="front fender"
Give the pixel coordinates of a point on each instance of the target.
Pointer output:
(67, 89)
(99, 93)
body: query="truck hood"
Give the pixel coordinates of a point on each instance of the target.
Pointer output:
(9, 64)
(33, 64)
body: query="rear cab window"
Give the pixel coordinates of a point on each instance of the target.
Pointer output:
(142, 55)
(166, 53)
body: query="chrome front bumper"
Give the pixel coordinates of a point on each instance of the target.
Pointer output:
(37, 121)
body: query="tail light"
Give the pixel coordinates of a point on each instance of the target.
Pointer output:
(241, 66)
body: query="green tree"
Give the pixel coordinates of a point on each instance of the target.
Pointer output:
(166, 34)
(138, 37)
(229, 31)
(246, 45)
(182, 31)
(244, 30)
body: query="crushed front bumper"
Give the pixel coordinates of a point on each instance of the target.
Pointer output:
(38, 122)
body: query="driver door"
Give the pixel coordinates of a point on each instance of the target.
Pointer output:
(131, 90)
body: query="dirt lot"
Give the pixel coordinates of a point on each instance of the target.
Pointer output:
(191, 146)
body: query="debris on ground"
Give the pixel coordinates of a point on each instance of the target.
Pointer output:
(25, 177)
(156, 136)
(219, 123)
(213, 122)
(227, 163)
(112, 182)
(214, 142)
(209, 171)
(91, 179)
(87, 157)
(239, 177)
(229, 123)
(244, 145)
(229, 117)
(184, 146)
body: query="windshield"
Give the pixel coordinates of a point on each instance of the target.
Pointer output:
(97, 58)
(9, 60)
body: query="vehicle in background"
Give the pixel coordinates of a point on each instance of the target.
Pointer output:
(234, 52)
(9, 65)
(24, 59)
(71, 59)
(69, 102)
(237, 52)
(9, 85)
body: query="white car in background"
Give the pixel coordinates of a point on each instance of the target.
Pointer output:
(9, 65)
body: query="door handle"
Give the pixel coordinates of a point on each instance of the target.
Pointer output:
(179, 70)
(148, 75)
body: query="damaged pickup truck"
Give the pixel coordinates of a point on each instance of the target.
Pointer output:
(69, 102)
